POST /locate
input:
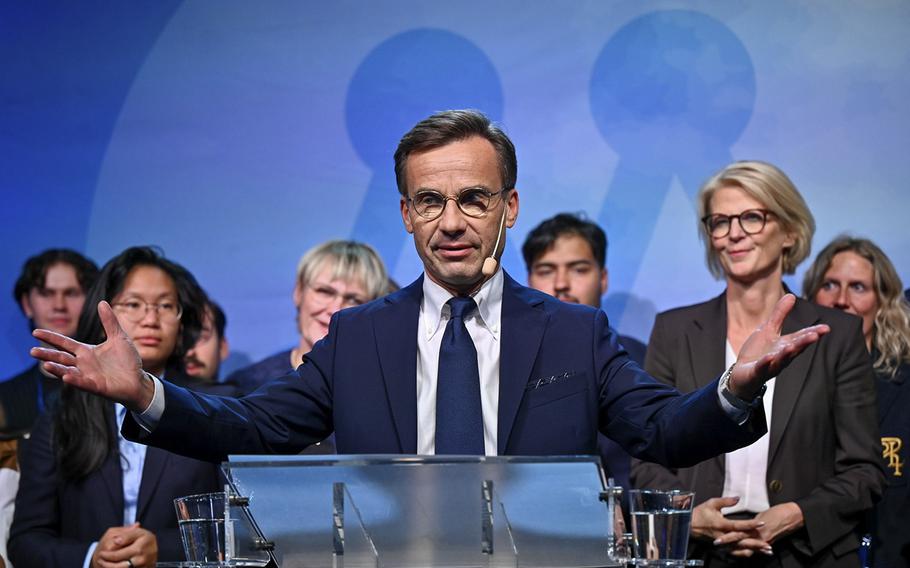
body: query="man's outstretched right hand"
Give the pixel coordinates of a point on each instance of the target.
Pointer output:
(112, 369)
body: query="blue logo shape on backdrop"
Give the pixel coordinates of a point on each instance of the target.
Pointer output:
(670, 92)
(402, 81)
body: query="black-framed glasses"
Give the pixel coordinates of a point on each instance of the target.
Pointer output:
(751, 221)
(135, 310)
(473, 202)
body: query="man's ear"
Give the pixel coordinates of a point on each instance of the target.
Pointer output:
(406, 217)
(512, 205)
(26, 306)
(224, 349)
(604, 281)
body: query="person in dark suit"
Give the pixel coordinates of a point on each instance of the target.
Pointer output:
(566, 257)
(50, 291)
(462, 361)
(330, 276)
(87, 496)
(854, 275)
(810, 480)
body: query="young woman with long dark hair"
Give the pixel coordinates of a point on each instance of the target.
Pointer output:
(87, 496)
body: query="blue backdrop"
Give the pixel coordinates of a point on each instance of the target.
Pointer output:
(236, 135)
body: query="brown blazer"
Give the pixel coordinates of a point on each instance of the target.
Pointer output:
(824, 445)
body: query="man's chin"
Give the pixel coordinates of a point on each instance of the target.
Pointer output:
(457, 280)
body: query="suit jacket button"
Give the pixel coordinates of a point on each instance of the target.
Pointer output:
(775, 485)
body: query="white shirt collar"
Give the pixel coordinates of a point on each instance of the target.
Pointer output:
(488, 298)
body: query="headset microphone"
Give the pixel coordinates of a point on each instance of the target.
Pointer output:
(490, 264)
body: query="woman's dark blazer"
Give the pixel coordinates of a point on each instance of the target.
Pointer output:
(824, 451)
(56, 521)
(890, 532)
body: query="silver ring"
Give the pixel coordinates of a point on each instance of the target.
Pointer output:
(129, 562)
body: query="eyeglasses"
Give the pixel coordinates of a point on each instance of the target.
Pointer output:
(751, 221)
(136, 310)
(473, 202)
(323, 295)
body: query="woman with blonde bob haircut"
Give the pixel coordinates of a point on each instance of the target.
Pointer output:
(777, 194)
(350, 261)
(331, 276)
(796, 495)
(854, 275)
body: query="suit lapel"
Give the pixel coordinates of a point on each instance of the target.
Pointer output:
(790, 381)
(395, 330)
(523, 326)
(113, 482)
(706, 338)
(887, 391)
(152, 471)
(112, 474)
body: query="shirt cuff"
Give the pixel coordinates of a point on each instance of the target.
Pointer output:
(738, 415)
(87, 563)
(148, 419)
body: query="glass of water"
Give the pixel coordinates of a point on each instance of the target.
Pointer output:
(660, 523)
(201, 522)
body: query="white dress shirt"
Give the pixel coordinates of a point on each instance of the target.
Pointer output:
(484, 328)
(745, 469)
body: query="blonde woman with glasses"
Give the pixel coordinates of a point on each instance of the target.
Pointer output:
(794, 497)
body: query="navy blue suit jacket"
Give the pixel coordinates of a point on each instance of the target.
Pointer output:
(563, 377)
(56, 521)
(890, 537)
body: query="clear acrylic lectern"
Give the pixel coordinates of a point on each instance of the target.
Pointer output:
(428, 511)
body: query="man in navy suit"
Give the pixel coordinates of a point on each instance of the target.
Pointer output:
(546, 375)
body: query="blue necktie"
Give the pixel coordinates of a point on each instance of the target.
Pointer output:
(459, 419)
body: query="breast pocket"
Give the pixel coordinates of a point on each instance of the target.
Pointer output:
(552, 389)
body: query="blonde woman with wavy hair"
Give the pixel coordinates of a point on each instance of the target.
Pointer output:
(854, 275)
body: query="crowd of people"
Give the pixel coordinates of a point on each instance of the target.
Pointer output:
(828, 470)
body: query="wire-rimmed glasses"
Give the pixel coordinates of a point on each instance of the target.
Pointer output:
(473, 202)
(135, 310)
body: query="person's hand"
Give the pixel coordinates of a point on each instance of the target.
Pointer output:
(765, 353)
(110, 540)
(126, 547)
(112, 369)
(709, 523)
(742, 536)
(780, 520)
